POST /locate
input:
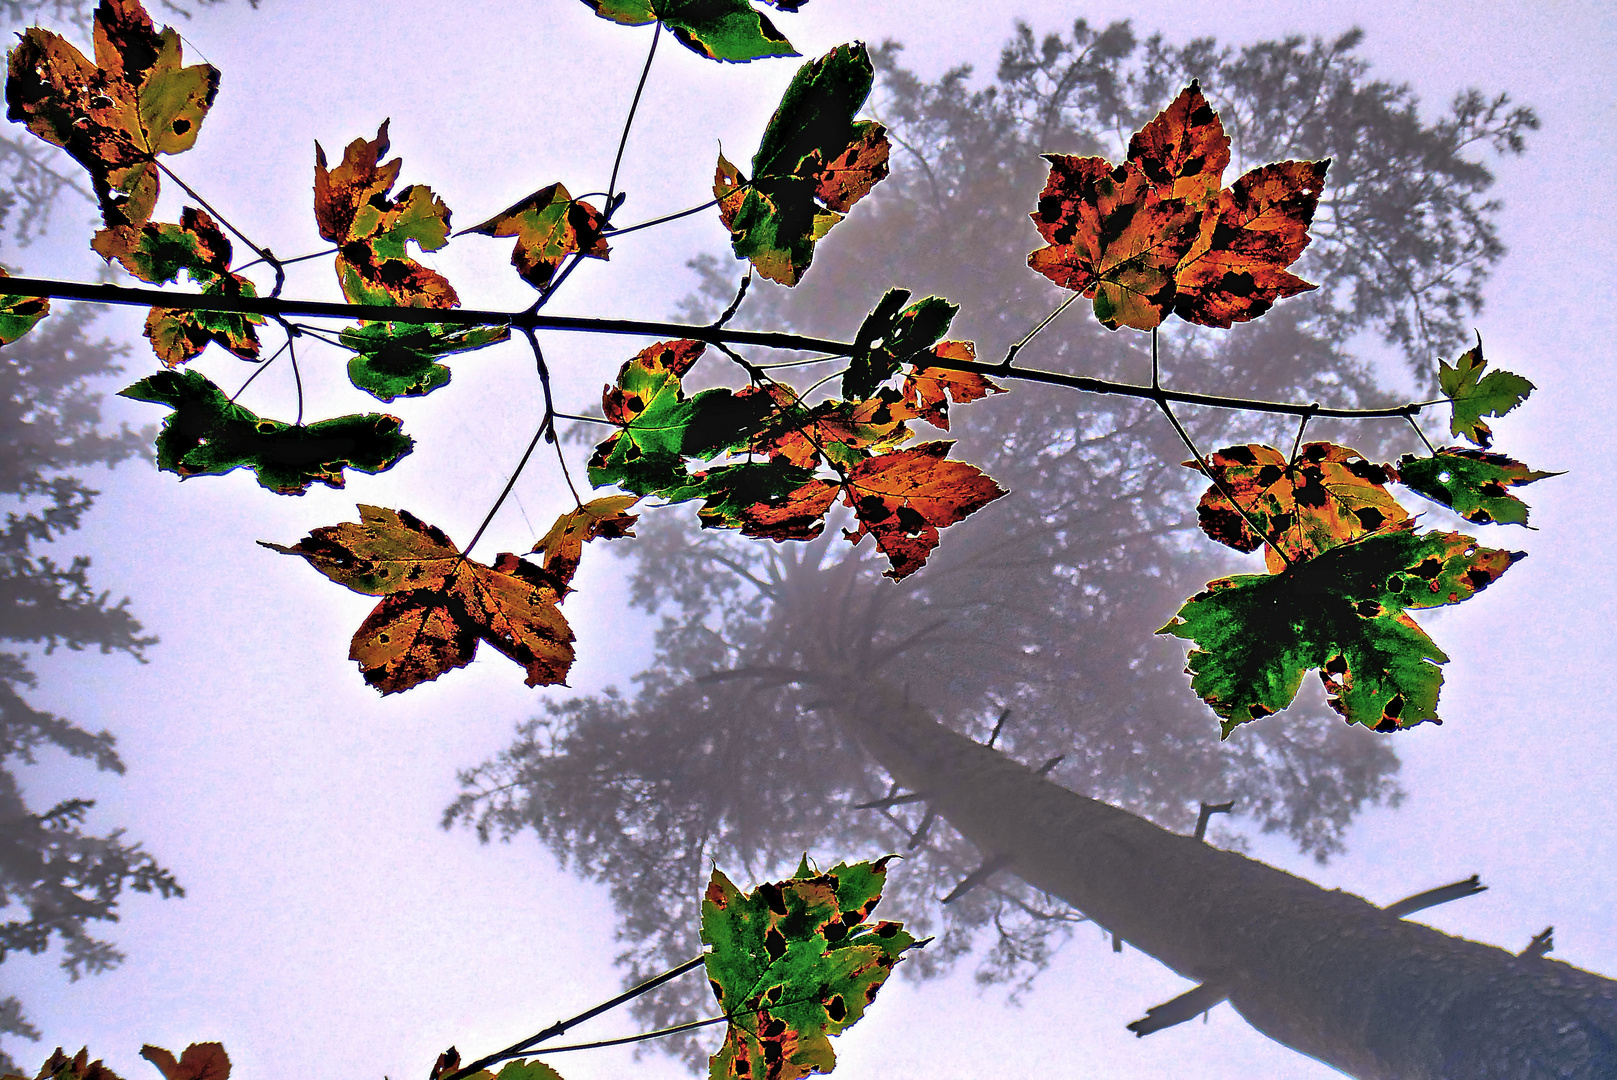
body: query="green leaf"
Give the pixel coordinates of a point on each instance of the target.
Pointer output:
(401, 360)
(1470, 482)
(732, 490)
(549, 225)
(728, 30)
(794, 962)
(1342, 613)
(891, 335)
(813, 163)
(178, 336)
(157, 252)
(19, 314)
(1477, 395)
(208, 435)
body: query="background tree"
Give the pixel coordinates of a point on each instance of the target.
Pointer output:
(1038, 613)
(56, 877)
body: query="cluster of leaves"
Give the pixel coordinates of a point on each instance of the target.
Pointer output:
(1158, 234)
(791, 963)
(1346, 565)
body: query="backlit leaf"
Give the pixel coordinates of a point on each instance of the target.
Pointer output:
(1472, 483)
(208, 435)
(928, 390)
(1329, 496)
(794, 962)
(436, 603)
(178, 335)
(813, 163)
(1184, 148)
(729, 492)
(797, 515)
(549, 225)
(514, 1070)
(903, 499)
(200, 1061)
(730, 30)
(1113, 236)
(373, 228)
(1341, 613)
(78, 1067)
(891, 335)
(1236, 269)
(401, 359)
(1476, 395)
(19, 314)
(113, 116)
(563, 545)
(840, 432)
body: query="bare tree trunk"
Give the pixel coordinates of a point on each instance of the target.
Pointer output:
(1323, 972)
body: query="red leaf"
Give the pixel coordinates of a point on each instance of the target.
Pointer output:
(905, 497)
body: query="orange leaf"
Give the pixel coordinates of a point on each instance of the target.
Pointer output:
(799, 515)
(928, 390)
(1184, 148)
(905, 497)
(564, 544)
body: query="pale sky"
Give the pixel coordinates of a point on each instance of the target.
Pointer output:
(332, 930)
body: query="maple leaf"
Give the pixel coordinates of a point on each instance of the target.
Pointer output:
(903, 499)
(19, 314)
(372, 228)
(840, 432)
(1342, 613)
(799, 514)
(158, 252)
(893, 334)
(200, 1061)
(731, 491)
(401, 359)
(549, 225)
(1472, 483)
(1118, 234)
(1113, 236)
(437, 604)
(209, 435)
(729, 30)
(794, 962)
(928, 390)
(78, 1067)
(813, 163)
(660, 427)
(563, 545)
(1329, 495)
(113, 116)
(1476, 395)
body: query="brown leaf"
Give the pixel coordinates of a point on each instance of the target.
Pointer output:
(928, 390)
(799, 515)
(1184, 148)
(905, 497)
(200, 1061)
(563, 545)
(549, 225)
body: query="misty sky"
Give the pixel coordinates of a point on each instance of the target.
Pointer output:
(332, 930)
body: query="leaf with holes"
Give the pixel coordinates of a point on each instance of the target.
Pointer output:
(549, 225)
(1113, 236)
(1328, 496)
(799, 514)
(793, 963)
(1476, 395)
(1342, 613)
(813, 163)
(436, 603)
(563, 545)
(1472, 483)
(514, 1070)
(728, 30)
(200, 1061)
(113, 116)
(894, 333)
(729, 492)
(20, 314)
(903, 499)
(373, 228)
(660, 427)
(209, 435)
(401, 359)
(928, 390)
(839, 432)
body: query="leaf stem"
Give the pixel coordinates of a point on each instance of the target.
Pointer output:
(660, 220)
(561, 1026)
(623, 140)
(1430, 449)
(1207, 470)
(642, 1037)
(1297, 443)
(1010, 354)
(263, 254)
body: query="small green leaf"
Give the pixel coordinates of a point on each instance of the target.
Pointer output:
(1476, 395)
(19, 314)
(728, 30)
(731, 490)
(401, 360)
(1470, 482)
(794, 962)
(1341, 612)
(891, 335)
(208, 435)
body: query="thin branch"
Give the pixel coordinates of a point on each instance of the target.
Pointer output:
(1010, 354)
(1207, 470)
(561, 1026)
(642, 1037)
(623, 141)
(264, 254)
(660, 220)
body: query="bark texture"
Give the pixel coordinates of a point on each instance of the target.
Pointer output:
(1323, 972)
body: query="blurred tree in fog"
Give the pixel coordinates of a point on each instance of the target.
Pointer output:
(1041, 608)
(55, 878)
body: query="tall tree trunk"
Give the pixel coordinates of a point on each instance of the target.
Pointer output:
(1321, 971)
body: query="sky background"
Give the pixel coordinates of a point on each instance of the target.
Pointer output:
(332, 930)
